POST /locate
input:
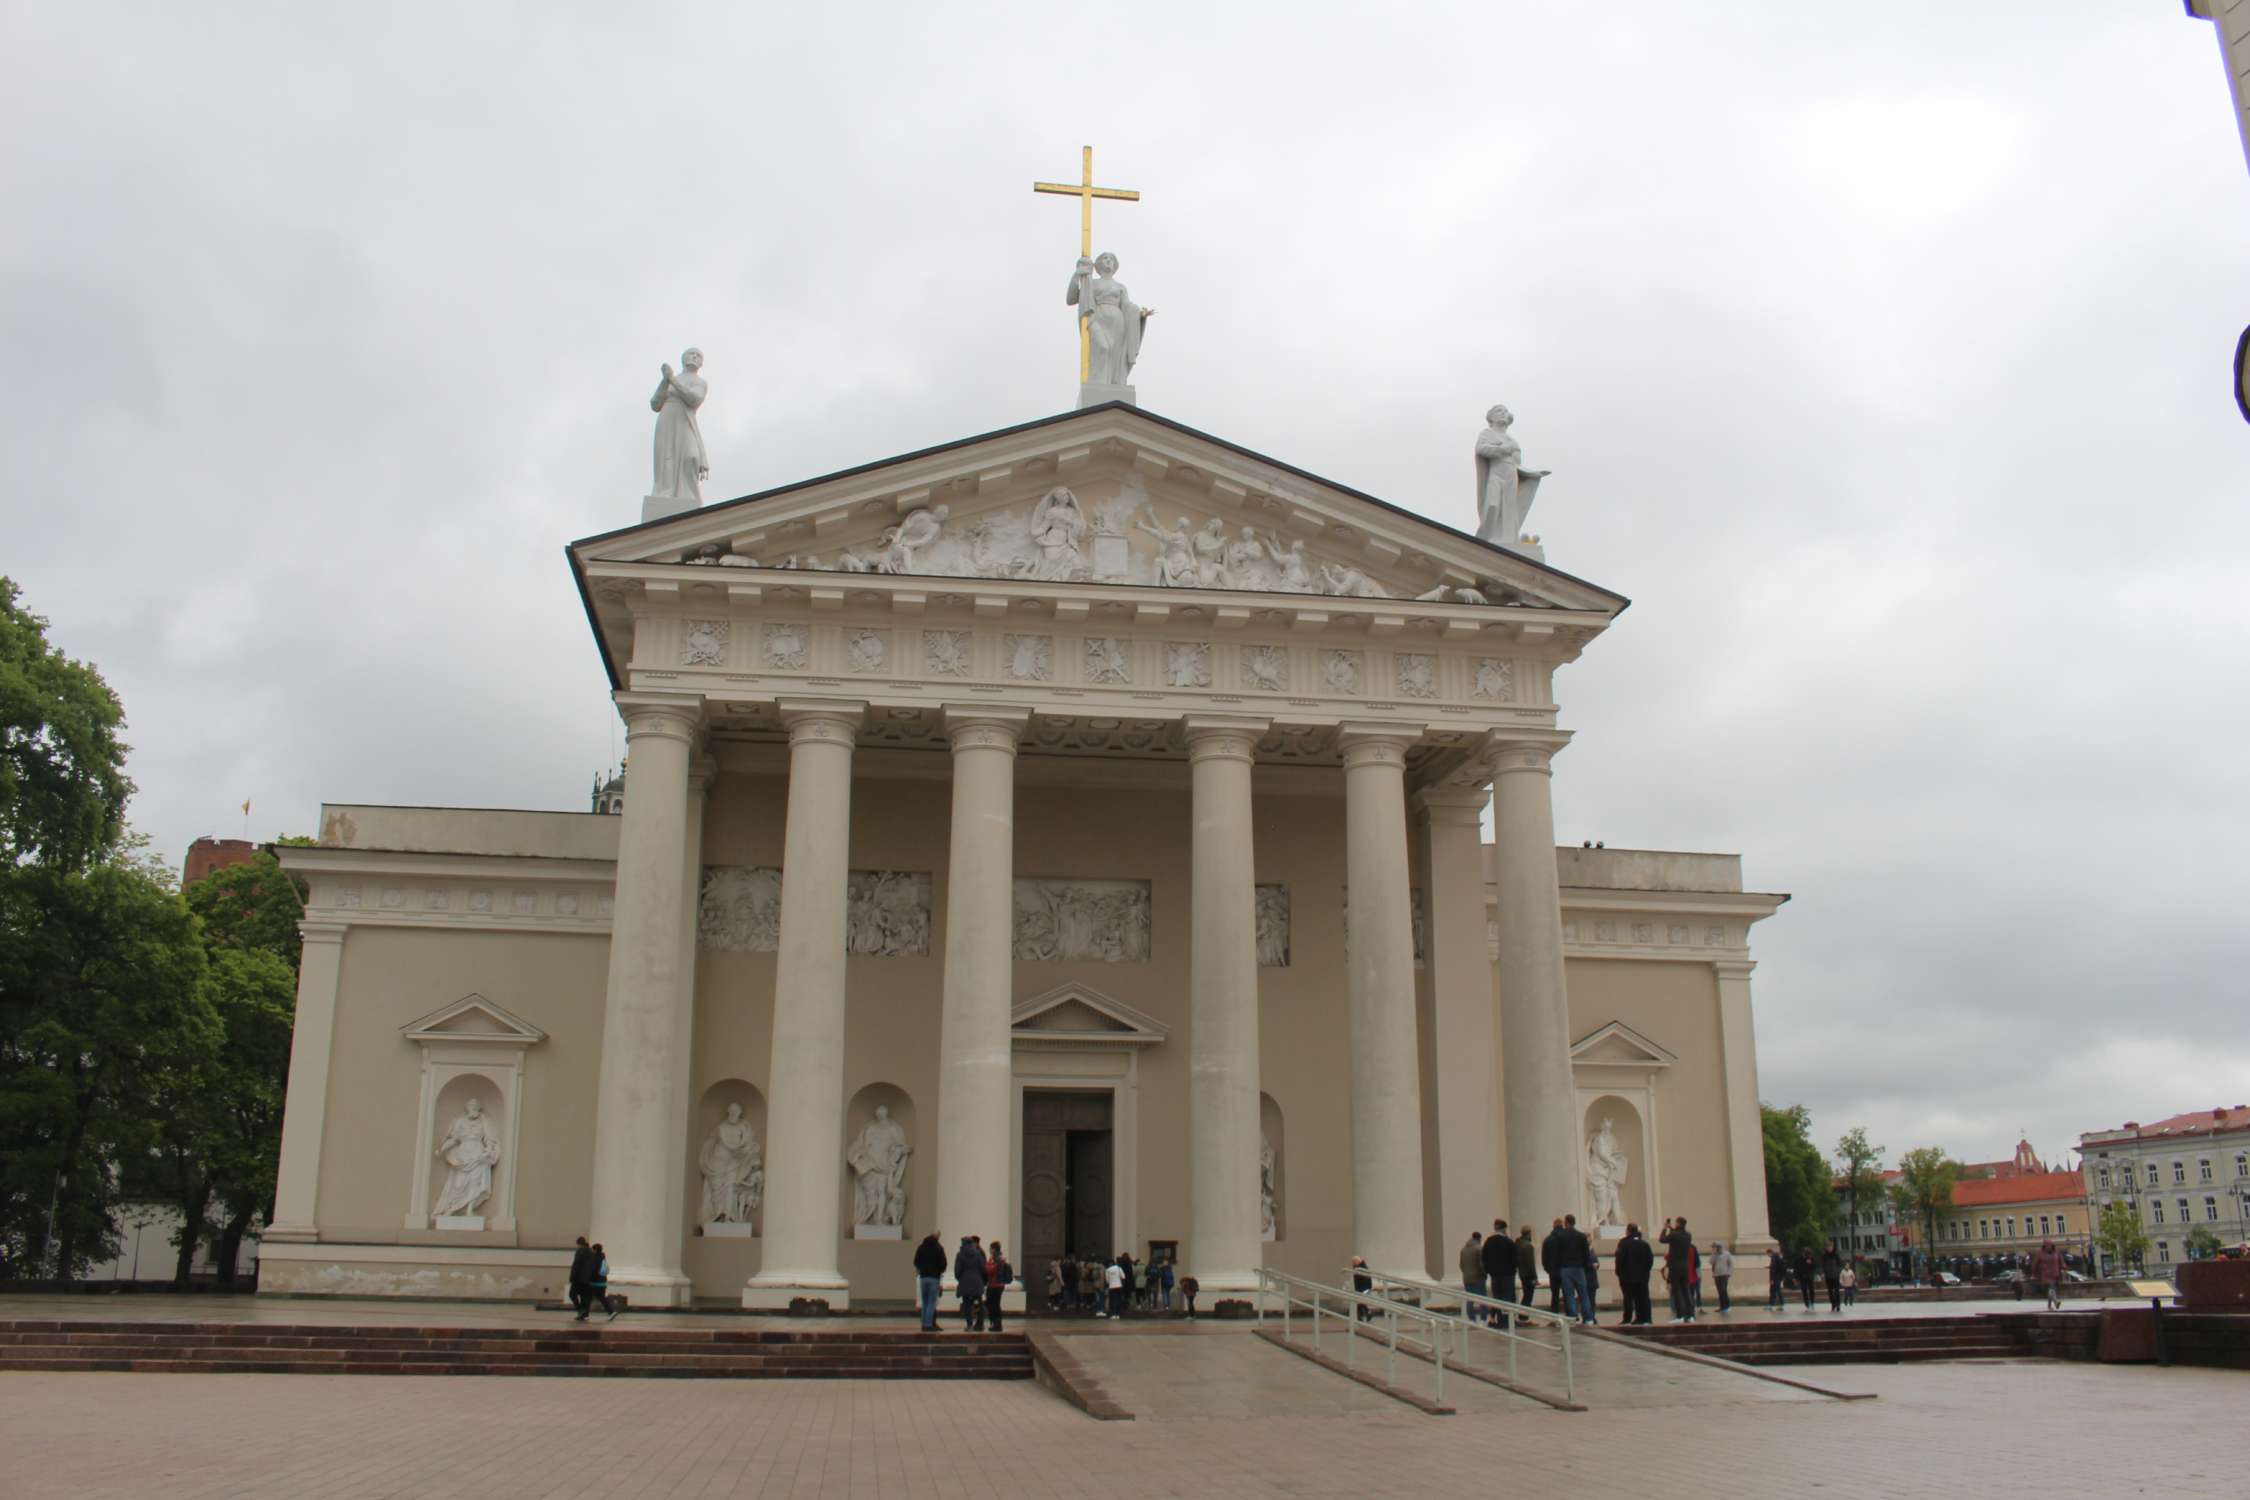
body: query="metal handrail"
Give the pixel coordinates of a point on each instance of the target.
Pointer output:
(1314, 1296)
(1511, 1331)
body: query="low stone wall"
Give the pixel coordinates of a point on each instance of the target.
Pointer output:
(1987, 1291)
(2127, 1335)
(414, 1272)
(2216, 1285)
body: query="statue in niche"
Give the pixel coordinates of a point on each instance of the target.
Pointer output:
(879, 1159)
(1058, 527)
(471, 1150)
(1605, 1174)
(681, 465)
(1113, 322)
(1175, 566)
(1296, 572)
(1273, 926)
(734, 1174)
(1266, 1195)
(1503, 499)
(1211, 554)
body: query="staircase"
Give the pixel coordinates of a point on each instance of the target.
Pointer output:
(687, 1353)
(1845, 1341)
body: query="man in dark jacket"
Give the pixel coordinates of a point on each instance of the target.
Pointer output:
(929, 1266)
(968, 1281)
(1527, 1264)
(1635, 1262)
(1500, 1268)
(1574, 1258)
(1552, 1267)
(1679, 1268)
(581, 1272)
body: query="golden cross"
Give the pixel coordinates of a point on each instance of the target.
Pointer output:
(1085, 192)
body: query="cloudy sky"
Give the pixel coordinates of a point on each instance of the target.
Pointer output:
(1881, 360)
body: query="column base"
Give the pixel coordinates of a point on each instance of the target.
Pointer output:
(289, 1234)
(762, 1295)
(653, 1288)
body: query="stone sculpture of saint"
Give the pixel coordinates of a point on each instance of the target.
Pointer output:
(878, 1158)
(1175, 567)
(1113, 323)
(1057, 528)
(1266, 1187)
(1605, 1174)
(1273, 927)
(681, 465)
(734, 1175)
(471, 1149)
(1296, 572)
(1503, 500)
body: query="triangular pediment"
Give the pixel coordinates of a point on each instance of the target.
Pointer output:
(1148, 501)
(1077, 1012)
(472, 1018)
(1618, 1045)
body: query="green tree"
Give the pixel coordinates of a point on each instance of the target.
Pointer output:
(251, 905)
(1799, 1204)
(62, 779)
(1859, 1166)
(1924, 1189)
(2202, 1242)
(2119, 1234)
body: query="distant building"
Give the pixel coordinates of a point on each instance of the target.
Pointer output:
(2012, 1215)
(1876, 1234)
(2025, 1163)
(2180, 1173)
(609, 795)
(208, 854)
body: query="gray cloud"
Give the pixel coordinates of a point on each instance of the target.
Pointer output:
(1883, 364)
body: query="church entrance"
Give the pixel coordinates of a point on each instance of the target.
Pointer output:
(1068, 1185)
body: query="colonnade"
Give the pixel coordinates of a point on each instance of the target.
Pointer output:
(641, 1127)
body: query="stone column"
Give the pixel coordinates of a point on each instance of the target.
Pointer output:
(805, 1097)
(701, 773)
(1541, 1102)
(636, 1145)
(976, 1069)
(304, 1116)
(1379, 943)
(1746, 1139)
(1225, 1244)
(1459, 968)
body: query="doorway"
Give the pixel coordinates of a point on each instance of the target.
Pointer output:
(1069, 1183)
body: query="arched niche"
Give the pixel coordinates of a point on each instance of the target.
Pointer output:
(1630, 1131)
(470, 1048)
(703, 1124)
(1273, 1166)
(857, 1116)
(451, 1104)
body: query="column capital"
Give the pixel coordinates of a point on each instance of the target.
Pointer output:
(1223, 736)
(1523, 752)
(985, 726)
(1365, 744)
(1455, 805)
(664, 716)
(321, 932)
(1733, 968)
(819, 720)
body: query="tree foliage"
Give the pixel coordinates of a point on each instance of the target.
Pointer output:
(62, 766)
(1798, 1203)
(1859, 1166)
(251, 905)
(1924, 1189)
(2119, 1233)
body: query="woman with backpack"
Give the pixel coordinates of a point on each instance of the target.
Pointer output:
(998, 1277)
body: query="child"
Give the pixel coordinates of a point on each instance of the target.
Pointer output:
(1189, 1286)
(1851, 1284)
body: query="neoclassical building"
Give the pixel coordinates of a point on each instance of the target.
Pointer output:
(1072, 835)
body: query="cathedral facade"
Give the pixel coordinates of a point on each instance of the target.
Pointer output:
(1073, 835)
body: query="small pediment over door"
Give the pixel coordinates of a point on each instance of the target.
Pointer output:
(1618, 1045)
(472, 1018)
(1079, 1016)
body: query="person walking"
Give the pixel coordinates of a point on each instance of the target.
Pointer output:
(968, 1283)
(597, 1284)
(998, 1277)
(1113, 1278)
(929, 1268)
(1851, 1284)
(1166, 1275)
(1722, 1272)
(1527, 1265)
(1500, 1270)
(1635, 1262)
(1472, 1274)
(1805, 1276)
(1679, 1270)
(1777, 1277)
(581, 1272)
(2047, 1270)
(1832, 1273)
(1552, 1267)
(1189, 1286)
(1364, 1284)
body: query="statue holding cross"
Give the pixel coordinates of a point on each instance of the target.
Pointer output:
(1109, 322)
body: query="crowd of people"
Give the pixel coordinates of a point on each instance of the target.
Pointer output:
(1496, 1266)
(1096, 1286)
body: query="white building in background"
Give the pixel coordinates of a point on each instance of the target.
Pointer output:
(2180, 1174)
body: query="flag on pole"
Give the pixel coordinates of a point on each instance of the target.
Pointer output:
(246, 807)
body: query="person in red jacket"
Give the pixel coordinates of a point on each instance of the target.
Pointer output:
(2047, 1270)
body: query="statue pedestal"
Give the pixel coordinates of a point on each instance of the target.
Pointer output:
(1113, 558)
(1091, 394)
(1611, 1231)
(727, 1231)
(657, 507)
(458, 1221)
(878, 1232)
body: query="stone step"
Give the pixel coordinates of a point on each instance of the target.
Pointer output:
(783, 1371)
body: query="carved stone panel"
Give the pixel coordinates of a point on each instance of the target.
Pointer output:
(1495, 679)
(704, 643)
(1029, 658)
(1106, 921)
(1417, 675)
(1265, 669)
(1187, 664)
(1273, 927)
(866, 650)
(741, 909)
(1340, 670)
(946, 652)
(1107, 662)
(786, 646)
(886, 912)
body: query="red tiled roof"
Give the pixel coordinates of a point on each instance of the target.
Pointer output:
(2030, 1187)
(2194, 1122)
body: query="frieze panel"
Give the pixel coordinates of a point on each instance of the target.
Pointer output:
(1102, 921)
(886, 912)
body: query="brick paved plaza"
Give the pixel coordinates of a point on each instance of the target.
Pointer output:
(1221, 1415)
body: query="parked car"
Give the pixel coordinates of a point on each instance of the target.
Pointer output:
(2007, 1278)
(1944, 1278)
(2074, 1276)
